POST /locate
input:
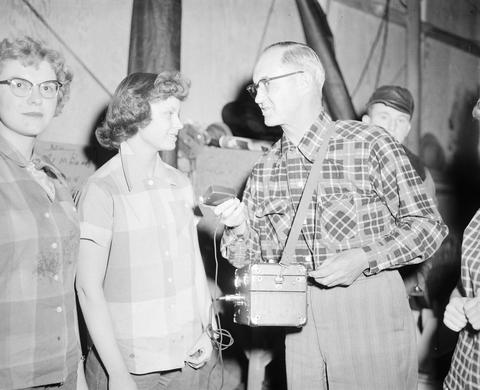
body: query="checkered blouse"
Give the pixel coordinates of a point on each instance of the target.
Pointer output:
(39, 237)
(368, 196)
(464, 371)
(155, 283)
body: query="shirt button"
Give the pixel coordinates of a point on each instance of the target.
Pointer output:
(55, 277)
(54, 245)
(46, 215)
(150, 182)
(59, 309)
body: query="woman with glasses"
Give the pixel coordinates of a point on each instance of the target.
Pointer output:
(39, 230)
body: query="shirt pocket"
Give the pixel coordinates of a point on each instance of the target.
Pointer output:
(276, 214)
(338, 217)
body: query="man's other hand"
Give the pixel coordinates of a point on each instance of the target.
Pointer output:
(342, 269)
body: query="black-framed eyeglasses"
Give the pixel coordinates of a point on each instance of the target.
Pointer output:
(23, 88)
(253, 87)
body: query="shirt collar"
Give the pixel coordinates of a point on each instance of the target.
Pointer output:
(40, 162)
(312, 139)
(10, 152)
(135, 176)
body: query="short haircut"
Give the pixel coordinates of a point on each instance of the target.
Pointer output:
(30, 52)
(129, 110)
(296, 53)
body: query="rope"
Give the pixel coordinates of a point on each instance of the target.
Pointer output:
(49, 28)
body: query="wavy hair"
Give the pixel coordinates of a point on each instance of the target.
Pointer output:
(30, 52)
(129, 110)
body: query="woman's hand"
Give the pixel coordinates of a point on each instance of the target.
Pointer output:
(201, 352)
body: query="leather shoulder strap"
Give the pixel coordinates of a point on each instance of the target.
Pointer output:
(288, 251)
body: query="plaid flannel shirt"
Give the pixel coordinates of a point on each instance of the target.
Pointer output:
(464, 371)
(155, 283)
(368, 196)
(39, 239)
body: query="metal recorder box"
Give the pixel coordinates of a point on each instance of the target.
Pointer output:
(271, 294)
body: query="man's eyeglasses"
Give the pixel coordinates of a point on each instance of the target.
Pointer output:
(23, 88)
(253, 88)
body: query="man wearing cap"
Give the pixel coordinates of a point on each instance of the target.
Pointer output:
(391, 107)
(369, 215)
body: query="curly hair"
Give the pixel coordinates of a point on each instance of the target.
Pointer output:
(29, 51)
(129, 110)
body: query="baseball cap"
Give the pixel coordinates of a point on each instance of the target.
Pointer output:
(393, 96)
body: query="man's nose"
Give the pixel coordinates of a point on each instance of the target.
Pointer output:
(261, 94)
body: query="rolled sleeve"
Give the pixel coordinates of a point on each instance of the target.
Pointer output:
(95, 207)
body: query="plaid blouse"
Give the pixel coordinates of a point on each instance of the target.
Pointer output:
(464, 371)
(368, 196)
(155, 283)
(39, 236)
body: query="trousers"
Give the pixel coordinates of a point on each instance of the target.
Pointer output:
(182, 379)
(358, 337)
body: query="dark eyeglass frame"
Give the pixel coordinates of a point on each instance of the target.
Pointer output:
(15, 91)
(253, 87)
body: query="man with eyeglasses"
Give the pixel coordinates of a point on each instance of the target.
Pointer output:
(369, 215)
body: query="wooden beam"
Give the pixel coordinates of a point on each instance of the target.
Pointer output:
(377, 9)
(468, 45)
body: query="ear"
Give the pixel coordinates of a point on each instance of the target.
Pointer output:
(305, 81)
(366, 119)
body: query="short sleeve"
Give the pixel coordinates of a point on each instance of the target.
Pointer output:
(95, 208)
